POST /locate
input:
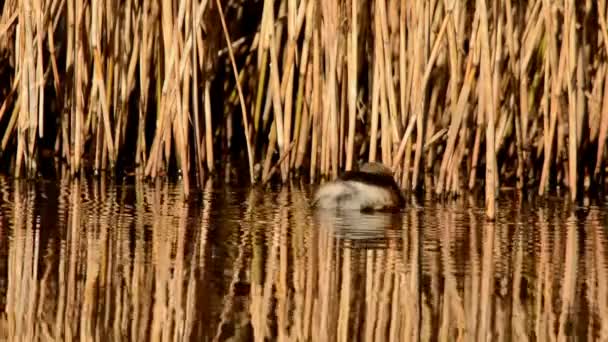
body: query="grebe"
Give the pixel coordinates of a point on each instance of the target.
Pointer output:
(370, 188)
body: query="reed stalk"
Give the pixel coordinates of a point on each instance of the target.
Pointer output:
(514, 85)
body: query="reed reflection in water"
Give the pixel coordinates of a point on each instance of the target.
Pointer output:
(89, 260)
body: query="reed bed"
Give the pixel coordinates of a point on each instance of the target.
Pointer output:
(98, 262)
(474, 93)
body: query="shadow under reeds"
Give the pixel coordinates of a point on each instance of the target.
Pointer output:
(89, 260)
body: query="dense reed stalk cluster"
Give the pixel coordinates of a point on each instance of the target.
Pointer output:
(451, 89)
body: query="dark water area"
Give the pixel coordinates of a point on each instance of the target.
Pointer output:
(91, 260)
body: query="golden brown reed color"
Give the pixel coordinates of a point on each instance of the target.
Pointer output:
(155, 269)
(426, 87)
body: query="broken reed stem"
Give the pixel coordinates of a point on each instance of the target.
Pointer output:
(497, 88)
(267, 177)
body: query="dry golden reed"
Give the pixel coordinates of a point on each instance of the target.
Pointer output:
(311, 87)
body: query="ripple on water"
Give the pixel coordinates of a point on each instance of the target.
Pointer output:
(138, 261)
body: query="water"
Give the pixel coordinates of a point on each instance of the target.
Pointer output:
(90, 260)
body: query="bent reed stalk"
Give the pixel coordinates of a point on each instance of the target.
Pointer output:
(310, 88)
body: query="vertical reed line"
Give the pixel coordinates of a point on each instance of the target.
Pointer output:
(568, 289)
(486, 303)
(330, 13)
(345, 297)
(373, 145)
(240, 91)
(551, 69)
(275, 82)
(601, 274)
(488, 109)
(519, 319)
(571, 60)
(352, 82)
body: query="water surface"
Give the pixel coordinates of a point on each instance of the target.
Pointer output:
(91, 260)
